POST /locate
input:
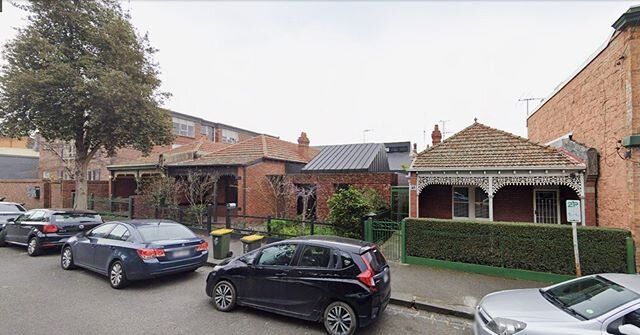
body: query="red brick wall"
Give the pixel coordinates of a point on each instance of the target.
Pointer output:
(435, 202)
(16, 191)
(514, 204)
(256, 187)
(413, 195)
(598, 106)
(326, 183)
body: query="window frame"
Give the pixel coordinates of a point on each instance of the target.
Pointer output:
(126, 231)
(256, 260)
(558, 208)
(330, 265)
(471, 203)
(185, 128)
(229, 136)
(90, 232)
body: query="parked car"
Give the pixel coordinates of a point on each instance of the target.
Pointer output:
(9, 210)
(341, 282)
(135, 249)
(590, 305)
(38, 229)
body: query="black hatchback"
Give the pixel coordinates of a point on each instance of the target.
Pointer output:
(344, 283)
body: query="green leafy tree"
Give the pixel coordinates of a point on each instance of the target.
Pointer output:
(347, 207)
(78, 72)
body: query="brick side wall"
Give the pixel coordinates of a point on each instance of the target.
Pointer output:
(435, 202)
(257, 188)
(326, 186)
(16, 191)
(597, 107)
(413, 195)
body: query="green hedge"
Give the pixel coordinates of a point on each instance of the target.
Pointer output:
(534, 247)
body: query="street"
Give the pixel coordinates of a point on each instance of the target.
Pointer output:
(38, 297)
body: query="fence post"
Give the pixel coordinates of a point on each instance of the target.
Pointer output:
(209, 217)
(130, 212)
(631, 256)
(180, 215)
(227, 218)
(312, 230)
(403, 241)
(269, 225)
(92, 201)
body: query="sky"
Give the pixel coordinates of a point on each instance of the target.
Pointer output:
(350, 71)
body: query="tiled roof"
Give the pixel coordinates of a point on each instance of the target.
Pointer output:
(361, 157)
(480, 146)
(252, 149)
(201, 146)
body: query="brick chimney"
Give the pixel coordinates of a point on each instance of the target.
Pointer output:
(303, 144)
(436, 136)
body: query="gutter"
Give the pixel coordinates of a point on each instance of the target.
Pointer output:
(499, 168)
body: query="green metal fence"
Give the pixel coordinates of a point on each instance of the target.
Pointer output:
(389, 236)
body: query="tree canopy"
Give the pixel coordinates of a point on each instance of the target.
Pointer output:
(79, 72)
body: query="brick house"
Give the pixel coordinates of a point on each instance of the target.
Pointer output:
(186, 128)
(364, 165)
(598, 107)
(482, 173)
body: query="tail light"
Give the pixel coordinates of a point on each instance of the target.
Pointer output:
(202, 246)
(49, 228)
(366, 277)
(150, 253)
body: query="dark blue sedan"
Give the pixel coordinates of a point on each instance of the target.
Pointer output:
(135, 249)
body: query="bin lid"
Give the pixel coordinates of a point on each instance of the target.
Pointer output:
(221, 231)
(252, 238)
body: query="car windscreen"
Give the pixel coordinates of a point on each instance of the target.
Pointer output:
(11, 208)
(71, 218)
(590, 297)
(376, 259)
(164, 232)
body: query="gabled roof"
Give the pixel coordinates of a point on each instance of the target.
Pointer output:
(361, 157)
(480, 146)
(252, 149)
(181, 153)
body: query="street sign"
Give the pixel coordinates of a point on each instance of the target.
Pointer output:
(574, 213)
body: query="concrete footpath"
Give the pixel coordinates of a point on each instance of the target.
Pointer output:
(431, 289)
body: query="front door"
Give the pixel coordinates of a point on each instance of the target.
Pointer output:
(546, 206)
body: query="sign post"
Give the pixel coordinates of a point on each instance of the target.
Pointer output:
(574, 215)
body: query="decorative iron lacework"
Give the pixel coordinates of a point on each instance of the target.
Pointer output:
(482, 182)
(573, 182)
(497, 182)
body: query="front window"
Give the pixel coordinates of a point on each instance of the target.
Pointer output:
(281, 254)
(589, 297)
(183, 127)
(470, 202)
(314, 256)
(230, 136)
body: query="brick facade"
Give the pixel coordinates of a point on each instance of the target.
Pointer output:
(598, 107)
(52, 194)
(256, 188)
(16, 191)
(326, 184)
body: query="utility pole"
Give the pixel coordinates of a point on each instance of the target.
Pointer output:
(526, 100)
(364, 135)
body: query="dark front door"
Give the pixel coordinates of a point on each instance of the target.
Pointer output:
(268, 283)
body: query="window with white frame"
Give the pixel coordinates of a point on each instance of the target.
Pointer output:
(208, 132)
(183, 127)
(230, 136)
(470, 202)
(93, 174)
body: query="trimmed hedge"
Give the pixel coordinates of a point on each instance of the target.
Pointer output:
(526, 246)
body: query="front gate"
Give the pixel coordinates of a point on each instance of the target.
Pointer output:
(389, 236)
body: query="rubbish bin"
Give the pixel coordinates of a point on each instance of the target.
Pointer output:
(221, 239)
(251, 242)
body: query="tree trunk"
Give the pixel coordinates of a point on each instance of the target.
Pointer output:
(80, 201)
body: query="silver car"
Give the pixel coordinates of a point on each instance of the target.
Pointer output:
(597, 304)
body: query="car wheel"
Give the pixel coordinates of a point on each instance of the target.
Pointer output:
(224, 296)
(117, 276)
(34, 248)
(66, 258)
(3, 238)
(340, 319)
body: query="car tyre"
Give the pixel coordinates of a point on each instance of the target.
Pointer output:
(3, 238)
(340, 319)
(66, 259)
(224, 296)
(34, 248)
(117, 276)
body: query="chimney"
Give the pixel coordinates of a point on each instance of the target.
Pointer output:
(414, 152)
(436, 136)
(303, 144)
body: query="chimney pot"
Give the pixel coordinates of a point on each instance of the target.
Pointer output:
(303, 144)
(436, 136)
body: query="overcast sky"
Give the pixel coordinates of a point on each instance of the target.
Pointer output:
(334, 68)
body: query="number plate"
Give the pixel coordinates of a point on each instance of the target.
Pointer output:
(181, 253)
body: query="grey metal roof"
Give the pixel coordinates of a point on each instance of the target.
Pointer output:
(361, 157)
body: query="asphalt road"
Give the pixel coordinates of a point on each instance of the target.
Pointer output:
(38, 297)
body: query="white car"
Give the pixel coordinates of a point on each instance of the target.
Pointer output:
(9, 210)
(597, 304)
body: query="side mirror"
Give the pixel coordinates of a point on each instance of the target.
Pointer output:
(629, 329)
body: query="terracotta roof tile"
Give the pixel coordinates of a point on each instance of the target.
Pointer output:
(480, 146)
(201, 146)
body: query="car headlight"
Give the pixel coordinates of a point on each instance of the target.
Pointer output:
(504, 326)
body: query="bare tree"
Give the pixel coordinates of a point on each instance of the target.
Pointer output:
(277, 190)
(305, 193)
(200, 189)
(161, 191)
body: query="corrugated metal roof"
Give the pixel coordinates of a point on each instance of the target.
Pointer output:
(361, 157)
